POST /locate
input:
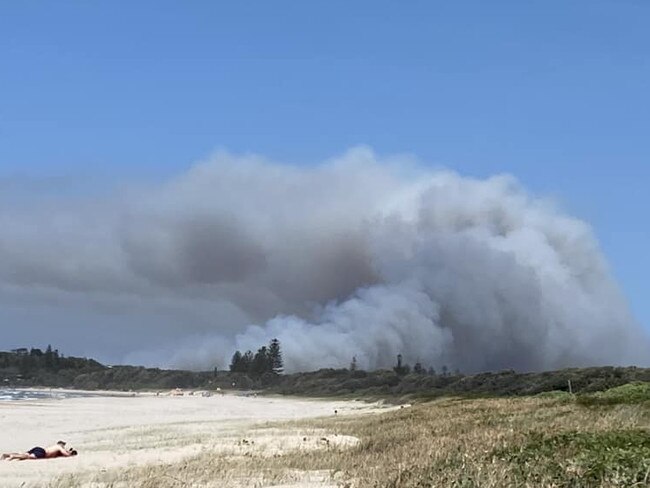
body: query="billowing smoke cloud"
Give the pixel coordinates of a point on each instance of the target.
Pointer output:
(357, 257)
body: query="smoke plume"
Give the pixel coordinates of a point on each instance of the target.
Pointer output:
(356, 257)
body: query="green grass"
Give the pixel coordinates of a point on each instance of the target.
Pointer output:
(583, 459)
(630, 394)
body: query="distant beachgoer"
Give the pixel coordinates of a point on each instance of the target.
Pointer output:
(54, 451)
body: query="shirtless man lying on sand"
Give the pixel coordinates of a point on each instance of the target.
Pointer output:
(57, 450)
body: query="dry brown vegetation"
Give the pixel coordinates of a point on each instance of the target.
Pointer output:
(544, 441)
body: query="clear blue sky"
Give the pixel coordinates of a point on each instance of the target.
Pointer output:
(555, 92)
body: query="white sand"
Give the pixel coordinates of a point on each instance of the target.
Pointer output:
(115, 432)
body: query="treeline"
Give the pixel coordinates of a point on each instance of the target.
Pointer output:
(267, 360)
(48, 368)
(29, 367)
(36, 367)
(26, 360)
(133, 378)
(398, 383)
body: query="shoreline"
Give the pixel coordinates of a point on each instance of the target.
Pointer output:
(48, 389)
(191, 392)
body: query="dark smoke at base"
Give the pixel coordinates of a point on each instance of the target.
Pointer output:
(357, 257)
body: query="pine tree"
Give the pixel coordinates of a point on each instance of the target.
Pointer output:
(275, 356)
(236, 363)
(261, 362)
(247, 362)
(401, 369)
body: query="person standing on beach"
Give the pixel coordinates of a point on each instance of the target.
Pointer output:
(54, 451)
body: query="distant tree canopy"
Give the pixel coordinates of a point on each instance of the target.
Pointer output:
(26, 367)
(401, 369)
(27, 360)
(265, 360)
(353, 364)
(419, 369)
(275, 354)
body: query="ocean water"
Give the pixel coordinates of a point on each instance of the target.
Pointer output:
(16, 394)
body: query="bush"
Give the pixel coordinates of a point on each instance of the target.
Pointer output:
(632, 393)
(583, 458)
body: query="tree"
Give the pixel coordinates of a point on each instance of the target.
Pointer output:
(353, 364)
(400, 368)
(275, 356)
(49, 357)
(236, 363)
(261, 362)
(246, 362)
(418, 369)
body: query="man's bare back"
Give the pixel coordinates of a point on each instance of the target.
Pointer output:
(58, 450)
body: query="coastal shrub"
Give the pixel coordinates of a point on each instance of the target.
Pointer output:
(632, 393)
(583, 458)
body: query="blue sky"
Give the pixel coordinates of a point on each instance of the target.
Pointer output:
(554, 92)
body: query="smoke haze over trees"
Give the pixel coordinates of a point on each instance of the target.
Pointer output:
(358, 257)
(266, 360)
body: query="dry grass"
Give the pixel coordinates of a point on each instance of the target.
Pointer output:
(520, 442)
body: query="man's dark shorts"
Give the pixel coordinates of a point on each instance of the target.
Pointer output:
(37, 452)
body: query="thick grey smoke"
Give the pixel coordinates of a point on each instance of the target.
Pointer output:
(354, 257)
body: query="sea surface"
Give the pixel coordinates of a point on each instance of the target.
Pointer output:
(16, 394)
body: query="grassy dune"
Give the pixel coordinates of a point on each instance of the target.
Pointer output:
(548, 440)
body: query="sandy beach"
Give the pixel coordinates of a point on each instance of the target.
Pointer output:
(113, 433)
